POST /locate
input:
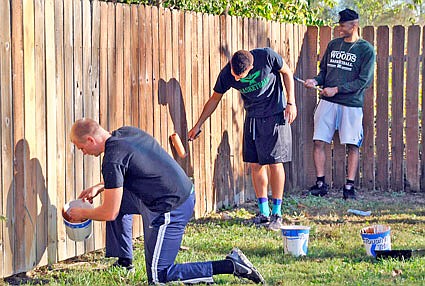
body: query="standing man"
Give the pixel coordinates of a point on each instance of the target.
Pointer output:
(267, 139)
(346, 70)
(140, 177)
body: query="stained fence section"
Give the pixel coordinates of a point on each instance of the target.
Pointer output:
(154, 68)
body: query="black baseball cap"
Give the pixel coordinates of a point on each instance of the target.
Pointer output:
(347, 15)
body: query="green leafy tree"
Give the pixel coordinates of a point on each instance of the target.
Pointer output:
(387, 12)
(289, 11)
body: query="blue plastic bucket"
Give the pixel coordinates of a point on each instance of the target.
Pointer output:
(78, 231)
(295, 239)
(376, 237)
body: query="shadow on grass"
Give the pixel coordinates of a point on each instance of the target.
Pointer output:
(23, 278)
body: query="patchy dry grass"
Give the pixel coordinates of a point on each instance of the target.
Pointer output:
(336, 253)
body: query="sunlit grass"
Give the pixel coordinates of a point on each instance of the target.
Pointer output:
(336, 255)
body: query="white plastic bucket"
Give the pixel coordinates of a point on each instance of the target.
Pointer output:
(295, 239)
(376, 237)
(81, 230)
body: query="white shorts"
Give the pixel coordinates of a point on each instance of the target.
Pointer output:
(330, 117)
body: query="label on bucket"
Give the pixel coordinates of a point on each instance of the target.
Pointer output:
(295, 240)
(78, 231)
(379, 240)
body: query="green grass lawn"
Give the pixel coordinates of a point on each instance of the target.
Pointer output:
(336, 255)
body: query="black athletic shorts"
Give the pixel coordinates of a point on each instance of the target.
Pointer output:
(267, 140)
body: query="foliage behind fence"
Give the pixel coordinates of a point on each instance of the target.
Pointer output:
(155, 68)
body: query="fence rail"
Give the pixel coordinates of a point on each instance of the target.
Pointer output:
(154, 68)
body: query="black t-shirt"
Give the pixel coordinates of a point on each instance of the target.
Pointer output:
(261, 90)
(135, 161)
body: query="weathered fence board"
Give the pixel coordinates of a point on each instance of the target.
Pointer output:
(325, 35)
(382, 108)
(68, 9)
(412, 108)
(98, 227)
(422, 150)
(7, 140)
(25, 194)
(367, 164)
(397, 104)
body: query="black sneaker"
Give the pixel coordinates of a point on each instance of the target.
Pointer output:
(319, 189)
(243, 267)
(349, 192)
(261, 219)
(275, 222)
(128, 268)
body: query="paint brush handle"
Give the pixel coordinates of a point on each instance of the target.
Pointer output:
(303, 82)
(178, 145)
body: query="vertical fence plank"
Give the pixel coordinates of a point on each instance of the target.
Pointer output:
(7, 119)
(382, 108)
(181, 85)
(367, 164)
(412, 109)
(25, 196)
(117, 100)
(229, 119)
(142, 61)
(156, 74)
(134, 65)
(308, 102)
(186, 74)
(127, 98)
(222, 187)
(78, 99)
(237, 121)
(60, 119)
(195, 102)
(68, 11)
(39, 161)
(103, 66)
(112, 69)
(397, 103)
(197, 112)
(262, 33)
(98, 227)
(131, 56)
(161, 94)
(149, 76)
(325, 35)
(206, 143)
(52, 131)
(88, 111)
(422, 150)
(214, 123)
(12, 250)
(215, 120)
(168, 107)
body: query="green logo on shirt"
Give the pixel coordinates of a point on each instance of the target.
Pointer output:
(251, 78)
(253, 84)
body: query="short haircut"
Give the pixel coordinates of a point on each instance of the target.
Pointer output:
(241, 61)
(82, 128)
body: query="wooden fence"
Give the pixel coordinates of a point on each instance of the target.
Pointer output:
(61, 60)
